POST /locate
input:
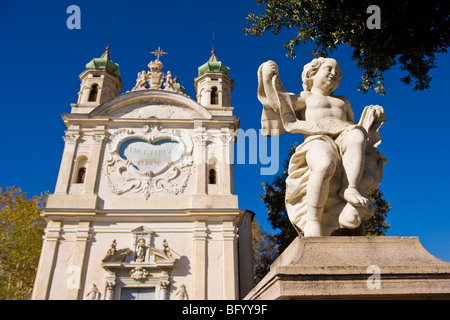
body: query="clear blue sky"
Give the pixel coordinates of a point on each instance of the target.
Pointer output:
(41, 60)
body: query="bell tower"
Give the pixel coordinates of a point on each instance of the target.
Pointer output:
(213, 85)
(100, 82)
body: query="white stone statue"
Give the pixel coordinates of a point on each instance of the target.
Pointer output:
(112, 250)
(141, 81)
(168, 85)
(93, 294)
(166, 248)
(181, 293)
(140, 251)
(331, 172)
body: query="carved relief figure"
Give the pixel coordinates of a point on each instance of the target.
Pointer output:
(331, 172)
(139, 273)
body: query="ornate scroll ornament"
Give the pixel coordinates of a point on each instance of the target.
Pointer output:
(166, 169)
(98, 138)
(139, 273)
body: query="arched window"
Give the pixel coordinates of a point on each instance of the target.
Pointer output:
(214, 96)
(93, 93)
(212, 176)
(81, 175)
(80, 170)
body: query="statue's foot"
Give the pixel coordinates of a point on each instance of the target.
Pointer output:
(355, 198)
(312, 229)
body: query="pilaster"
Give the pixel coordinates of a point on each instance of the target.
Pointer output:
(75, 282)
(94, 161)
(200, 158)
(230, 271)
(110, 287)
(199, 263)
(46, 261)
(226, 183)
(71, 140)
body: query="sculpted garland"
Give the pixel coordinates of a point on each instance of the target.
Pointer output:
(331, 172)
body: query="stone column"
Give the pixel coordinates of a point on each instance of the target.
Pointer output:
(163, 290)
(77, 269)
(46, 261)
(199, 263)
(65, 170)
(164, 285)
(110, 288)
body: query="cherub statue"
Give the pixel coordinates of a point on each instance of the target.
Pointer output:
(331, 172)
(141, 81)
(168, 85)
(112, 250)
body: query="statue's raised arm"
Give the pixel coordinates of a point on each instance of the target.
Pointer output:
(278, 115)
(338, 163)
(272, 94)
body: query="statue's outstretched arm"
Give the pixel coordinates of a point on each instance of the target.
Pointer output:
(271, 122)
(278, 114)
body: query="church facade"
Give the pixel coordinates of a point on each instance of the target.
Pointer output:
(144, 204)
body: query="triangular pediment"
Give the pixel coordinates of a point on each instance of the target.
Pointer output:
(142, 229)
(148, 104)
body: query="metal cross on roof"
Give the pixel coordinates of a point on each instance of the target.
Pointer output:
(158, 53)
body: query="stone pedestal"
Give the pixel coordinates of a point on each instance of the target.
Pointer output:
(355, 268)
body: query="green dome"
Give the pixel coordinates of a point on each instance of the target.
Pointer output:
(105, 63)
(213, 65)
